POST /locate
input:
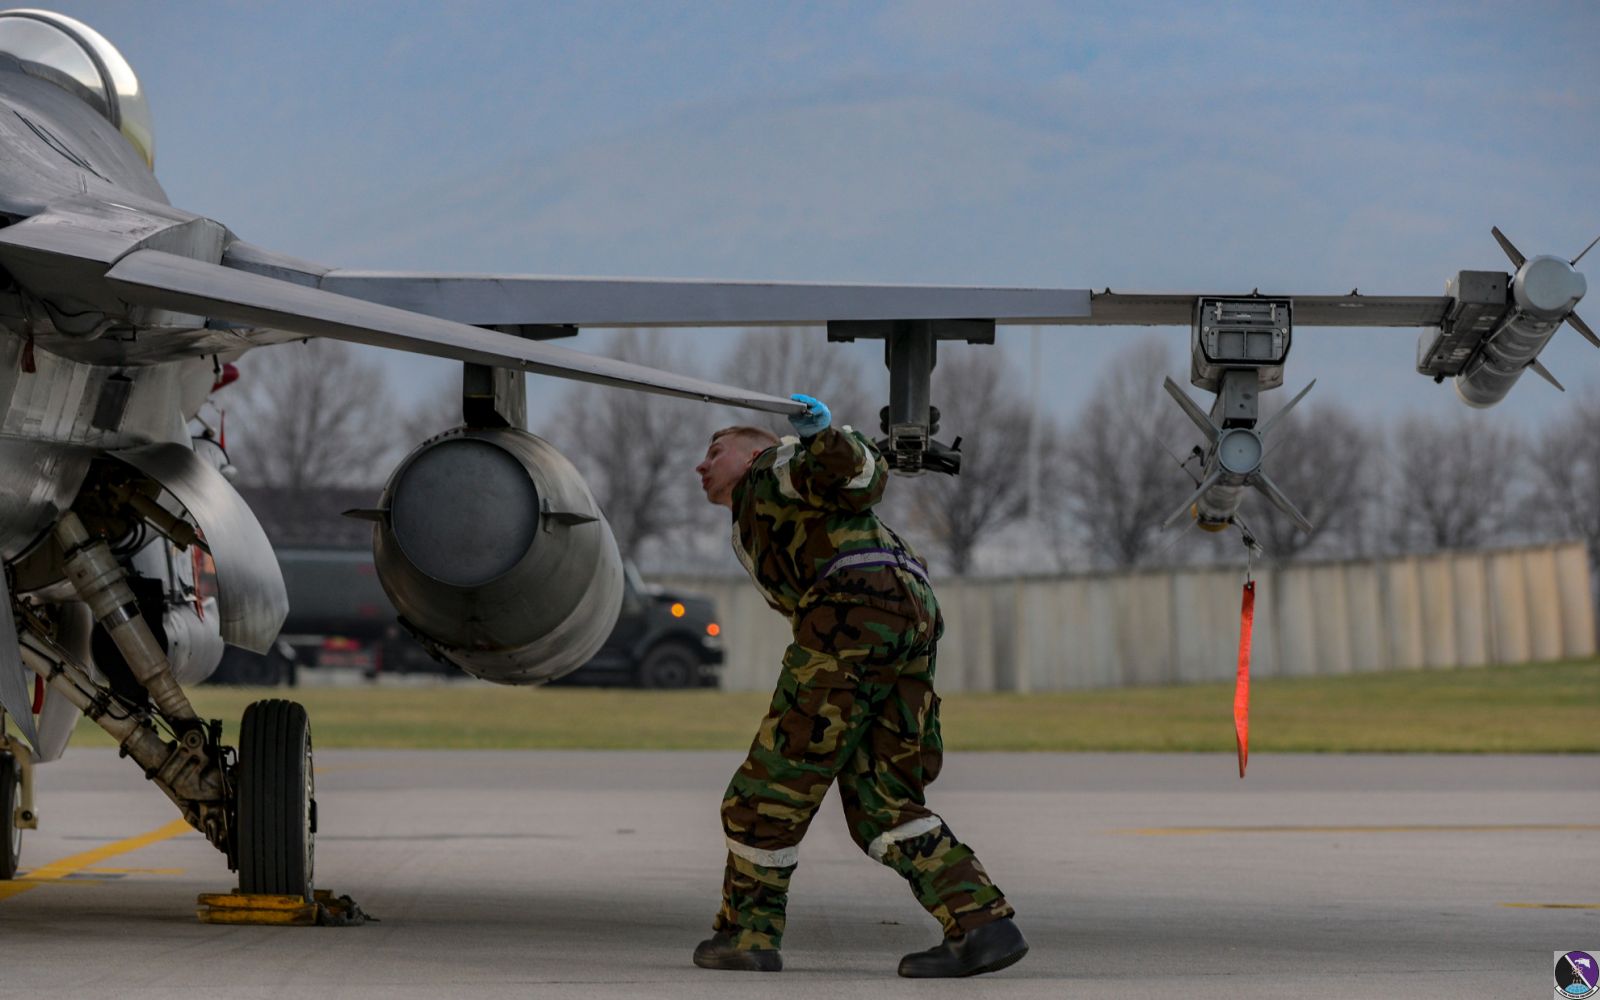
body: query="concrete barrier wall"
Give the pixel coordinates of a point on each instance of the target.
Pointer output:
(1114, 630)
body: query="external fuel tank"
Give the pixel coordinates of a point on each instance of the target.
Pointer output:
(496, 555)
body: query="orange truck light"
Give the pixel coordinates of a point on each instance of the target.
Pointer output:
(678, 610)
(713, 629)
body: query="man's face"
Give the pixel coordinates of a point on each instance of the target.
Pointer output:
(726, 462)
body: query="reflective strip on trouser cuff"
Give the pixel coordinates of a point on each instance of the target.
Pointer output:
(905, 831)
(784, 857)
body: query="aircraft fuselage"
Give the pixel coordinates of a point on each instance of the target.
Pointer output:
(58, 154)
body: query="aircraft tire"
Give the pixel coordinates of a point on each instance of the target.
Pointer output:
(10, 801)
(277, 819)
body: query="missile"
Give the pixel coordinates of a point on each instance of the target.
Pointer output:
(1232, 464)
(1496, 328)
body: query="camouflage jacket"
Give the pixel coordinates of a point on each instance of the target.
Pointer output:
(803, 526)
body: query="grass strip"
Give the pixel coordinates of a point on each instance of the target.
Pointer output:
(1537, 708)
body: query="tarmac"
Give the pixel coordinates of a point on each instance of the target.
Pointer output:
(593, 874)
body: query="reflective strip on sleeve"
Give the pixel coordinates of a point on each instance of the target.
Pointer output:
(780, 468)
(863, 478)
(744, 557)
(905, 831)
(786, 857)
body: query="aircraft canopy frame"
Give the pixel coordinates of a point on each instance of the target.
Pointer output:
(75, 57)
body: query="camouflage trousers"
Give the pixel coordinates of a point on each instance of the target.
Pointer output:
(855, 704)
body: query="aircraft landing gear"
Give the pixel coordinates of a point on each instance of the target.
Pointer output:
(277, 811)
(16, 799)
(10, 805)
(257, 808)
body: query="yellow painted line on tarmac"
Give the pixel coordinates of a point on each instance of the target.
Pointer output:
(56, 871)
(1202, 831)
(1553, 906)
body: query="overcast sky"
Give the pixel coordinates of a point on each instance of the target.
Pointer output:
(1172, 146)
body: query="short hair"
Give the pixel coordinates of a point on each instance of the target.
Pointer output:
(745, 432)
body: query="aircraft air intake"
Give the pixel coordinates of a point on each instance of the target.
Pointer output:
(496, 555)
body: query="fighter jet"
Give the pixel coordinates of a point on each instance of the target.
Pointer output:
(130, 561)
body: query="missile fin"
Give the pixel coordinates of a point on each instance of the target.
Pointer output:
(1579, 325)
(1270, 490)
(1194, 498)
(1574, 261)
(1544, 373)
(1505, 244)
(1265, 428)
(1192, 409)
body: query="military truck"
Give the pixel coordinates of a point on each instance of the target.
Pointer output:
(340, 619)
(663, 639)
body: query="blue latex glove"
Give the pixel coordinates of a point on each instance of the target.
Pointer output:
(815, 419)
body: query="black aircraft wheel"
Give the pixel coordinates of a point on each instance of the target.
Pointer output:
(10, 802)
(277, 820)
(669, 665)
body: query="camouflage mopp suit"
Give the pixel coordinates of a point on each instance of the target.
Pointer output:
(855, 700)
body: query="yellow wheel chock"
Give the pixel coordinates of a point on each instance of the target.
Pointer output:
(324, 910)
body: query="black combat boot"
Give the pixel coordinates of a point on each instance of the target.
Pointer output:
(988, 948)
(718, 952)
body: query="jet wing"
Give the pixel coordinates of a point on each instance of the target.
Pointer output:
(556, 302)
(101, 258)
(1110, 308)
(508, 300)
(537, 301)
(168, 281)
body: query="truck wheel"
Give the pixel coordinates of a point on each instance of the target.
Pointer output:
(10, 802)
(277, 820)
(669, 665)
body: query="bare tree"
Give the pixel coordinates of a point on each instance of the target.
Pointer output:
(637, 450)
(783, 360)
(1565, 467)
(1328, 463)
(311, 414)
(1120, 477)
(432, 412)
(1452, 481)
(977, 402)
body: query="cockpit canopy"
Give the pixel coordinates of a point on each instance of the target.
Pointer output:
(74, 56)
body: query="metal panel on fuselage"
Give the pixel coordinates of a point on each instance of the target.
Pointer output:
(34, 174)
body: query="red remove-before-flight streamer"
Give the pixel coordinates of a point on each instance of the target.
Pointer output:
(1241, 686)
